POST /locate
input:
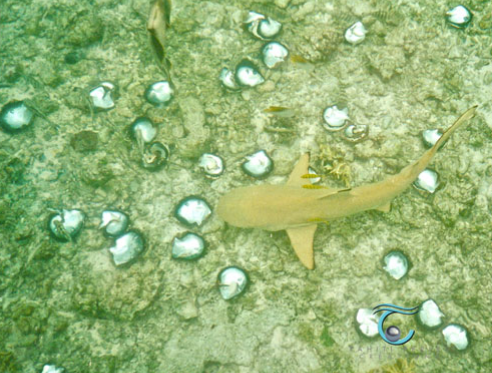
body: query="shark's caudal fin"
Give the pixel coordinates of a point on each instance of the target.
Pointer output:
(416, 168)
(470, 113)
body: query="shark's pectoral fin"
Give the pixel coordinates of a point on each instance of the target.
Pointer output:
(384, 208)
(302, 241)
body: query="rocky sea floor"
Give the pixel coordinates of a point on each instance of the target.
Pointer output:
(67, 304)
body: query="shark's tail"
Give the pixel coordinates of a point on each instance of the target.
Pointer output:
(470, 113)
(422, 163)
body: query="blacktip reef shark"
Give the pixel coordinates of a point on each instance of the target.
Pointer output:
(298, 208)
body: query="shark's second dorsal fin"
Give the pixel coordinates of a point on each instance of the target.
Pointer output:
(302, 239)
(301, 168)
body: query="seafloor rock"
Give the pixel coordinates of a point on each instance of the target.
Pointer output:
(102, 290)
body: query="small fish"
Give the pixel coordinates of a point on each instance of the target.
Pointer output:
(310, 176)
(296, 58)
(159, 21)
(314, 186)
(280, 111)
(297, 210)
(301, 62)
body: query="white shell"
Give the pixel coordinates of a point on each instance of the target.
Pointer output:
(396, 264)
(144, 129)
(459, 16)
(368, 322)
(431, 136)
(18, 116)
(193, 210)
(126, 248)
(268, 28)
(429, 314)
(114, 223)
(273, 54)
(227, 79)
(262, 27)
(52, 369)
(355, 132)
(190, 246)
(212, 164)
(253, 16)
(335, 119)
(356, 33)
(315, 180)
(232, 282)
(71, 221)
(159, 93)
(258, 164)
(456, 336)
(102, 96)
(248, 75)
(428, 180)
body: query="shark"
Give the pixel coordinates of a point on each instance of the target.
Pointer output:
(298, 207)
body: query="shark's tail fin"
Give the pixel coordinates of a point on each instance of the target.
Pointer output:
(416, 168)
(470, 113)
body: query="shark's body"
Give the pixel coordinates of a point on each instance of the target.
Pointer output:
(298, 209)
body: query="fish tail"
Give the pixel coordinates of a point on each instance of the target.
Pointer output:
(413, 170)
(470, 113)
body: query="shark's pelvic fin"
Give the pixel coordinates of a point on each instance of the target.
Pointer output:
(302, 239)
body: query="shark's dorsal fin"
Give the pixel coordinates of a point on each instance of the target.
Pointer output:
(301, 168)
(302, 239)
